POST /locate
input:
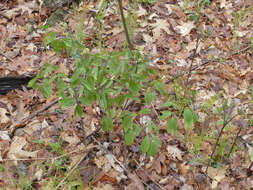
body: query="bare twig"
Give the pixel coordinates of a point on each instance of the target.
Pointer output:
(237, 136)
(205, 63)
(81, 119)
(115, 159)
(125, 153)
(124, 25)
(15, 126)
(249, 168)
(225, 122)
(6, 56)
(129, 174)
(192, 59)
(71, 171)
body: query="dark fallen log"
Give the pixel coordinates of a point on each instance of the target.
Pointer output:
(10, 83)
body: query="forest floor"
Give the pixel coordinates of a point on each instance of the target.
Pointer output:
(204, 45)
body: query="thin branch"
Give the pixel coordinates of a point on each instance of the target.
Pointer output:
(71, 171)
(77, 101)
(124, 25)
(192, 59)
(6, 56)
(249, 168)
(219, 136)
(237, 136)
(205, 63)
(121, 165)
(129, 174)
(15, 126)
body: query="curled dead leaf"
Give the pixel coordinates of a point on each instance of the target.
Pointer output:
(174, 152)
(16, 150)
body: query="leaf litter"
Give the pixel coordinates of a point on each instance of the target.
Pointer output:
(167, 32)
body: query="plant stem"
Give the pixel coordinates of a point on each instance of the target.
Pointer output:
(237, 136)
(219, 136)
(124, 25)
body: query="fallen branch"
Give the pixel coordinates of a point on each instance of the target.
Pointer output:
(21, 123)
(204, 63)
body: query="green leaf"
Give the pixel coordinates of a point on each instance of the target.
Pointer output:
(144, 111)
(32, 83)
(109, 84)
(194, 17)
(156, 140)
(61, 85)
(172, 125)
(47, 87)
(103, 101)
(251, 121)
(67, 102)
(88, 99)
(44, 91)
(71, 91)
(129, 137)
(153, 149)
(159, 86)
(195, 117)
(120, 100)
(137, 130)
(220, 122)
(50, 36)
(227, 127)
(188, 118)
(78, 111)
(133, 87)
(58, 46)
(113, 113)
(127, 123)
(151, 125)
(170, 104)
(145, 145)
(156, 128)
(107, 123)
(74, 81)
(95, 72)
(149, 97)
(87, 85)
(165, 114)
(117, 90)
(100, 76)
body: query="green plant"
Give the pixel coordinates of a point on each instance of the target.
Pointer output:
(195, 9)
(24, 183)
(2, 169)
(241, 15)
(251, 42)
(109, 78)
(146, 1)
(56, 147)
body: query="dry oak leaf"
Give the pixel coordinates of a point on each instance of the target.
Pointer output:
(159, 26)
(136, 182)
(104, 187)
(22, 7)
(185, 28)
(217, 174)
(174, 152)
(4, 118)
(141, 11)
(16, 151)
